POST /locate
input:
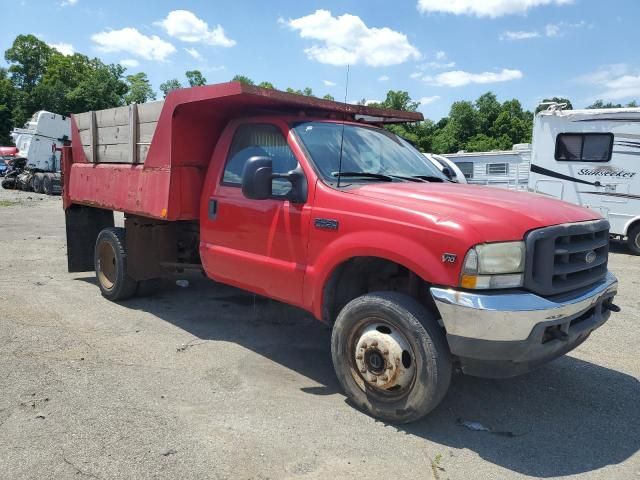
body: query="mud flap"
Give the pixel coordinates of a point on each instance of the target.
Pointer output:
(83, 226)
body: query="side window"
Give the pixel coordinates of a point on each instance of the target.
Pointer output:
(584, 147)
(497, 169)
(466, 168)
(263, 140)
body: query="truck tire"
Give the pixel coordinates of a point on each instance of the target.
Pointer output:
(633, 239)
(37, 183)
(110, 261)
(391, 356)
(47, 184)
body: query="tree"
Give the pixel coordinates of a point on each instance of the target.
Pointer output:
(27, 58)
(397, 100)
(541, 106)
(328, 97)
(76, 83)
(7, 97)
(243, 79)
(195, 78)
(267, 85)
(140, 90)
(602, 104)
(169, 86)
(488, 109)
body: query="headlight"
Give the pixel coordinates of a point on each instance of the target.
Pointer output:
(494, 265)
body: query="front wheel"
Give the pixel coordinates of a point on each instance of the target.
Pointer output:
(391, 356)
(111, 265)
(633, 240)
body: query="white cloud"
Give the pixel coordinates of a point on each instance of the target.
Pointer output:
(194, 53)
(415, 75)
(440, 55)
(439, 65)
(64, 48)
(427, 100)
(460, 78)
(484, 8)
(347, 40)
(329, 83)
(186, 26)
(131, 41)
(614, 82)
(383, 78)
(550, 30)
(68, 3)
(130, 63)
(519, 35)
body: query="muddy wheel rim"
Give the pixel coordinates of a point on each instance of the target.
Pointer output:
(106, 265)
(382, 359)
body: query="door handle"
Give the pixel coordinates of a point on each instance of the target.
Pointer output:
(213, 208)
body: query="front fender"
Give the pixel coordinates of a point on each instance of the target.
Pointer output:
(425, 261)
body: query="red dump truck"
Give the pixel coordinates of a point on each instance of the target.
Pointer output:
(313, 203)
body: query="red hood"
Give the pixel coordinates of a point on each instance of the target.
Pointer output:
(495, 213)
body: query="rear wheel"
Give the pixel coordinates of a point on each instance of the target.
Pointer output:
(111, 265)
(37, 183)
(47, 184)
(633, 239)
(390, 356)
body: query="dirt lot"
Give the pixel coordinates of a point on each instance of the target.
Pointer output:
(211, 382)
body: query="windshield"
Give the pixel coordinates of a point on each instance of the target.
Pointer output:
(375, 153)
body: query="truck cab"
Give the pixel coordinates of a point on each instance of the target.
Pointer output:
(320, 207)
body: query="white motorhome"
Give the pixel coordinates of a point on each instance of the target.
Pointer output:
(37, 142)
(591, 158)
(498, 168)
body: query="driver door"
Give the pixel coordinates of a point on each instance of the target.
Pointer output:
(257, 245)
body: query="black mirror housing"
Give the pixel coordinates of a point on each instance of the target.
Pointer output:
(256, 178)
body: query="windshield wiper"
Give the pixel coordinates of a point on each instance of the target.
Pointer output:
(373, 176)
(430, 178)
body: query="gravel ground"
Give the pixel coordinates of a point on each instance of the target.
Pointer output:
(212, 382)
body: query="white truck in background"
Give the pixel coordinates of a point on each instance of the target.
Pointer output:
(38, 143)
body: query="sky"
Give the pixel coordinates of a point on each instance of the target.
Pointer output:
(440, 51)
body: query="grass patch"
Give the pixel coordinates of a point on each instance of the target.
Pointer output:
(7, 203)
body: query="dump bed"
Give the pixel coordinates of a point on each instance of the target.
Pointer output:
(151, 159)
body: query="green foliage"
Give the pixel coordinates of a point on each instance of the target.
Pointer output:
(601, 104)
(195, 78)
(76, 83)
(28, 58)
(243, 79)
(267, 85)
(169, 86)
(328, 96)
(541, 106)
(140, 90)
(7, 97)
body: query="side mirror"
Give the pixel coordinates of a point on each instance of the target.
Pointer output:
(447, 173)
(257, 181)
(256, 178)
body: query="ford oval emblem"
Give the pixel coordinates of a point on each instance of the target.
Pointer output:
(590, 257)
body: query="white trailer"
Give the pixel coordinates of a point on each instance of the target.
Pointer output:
(37, 142)
(498, 168)
(591, 158)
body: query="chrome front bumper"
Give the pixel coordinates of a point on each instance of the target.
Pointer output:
(513, 315)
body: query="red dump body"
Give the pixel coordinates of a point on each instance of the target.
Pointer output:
(8, 151)
(168, 185)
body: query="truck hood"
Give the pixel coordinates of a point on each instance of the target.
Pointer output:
(495, 213)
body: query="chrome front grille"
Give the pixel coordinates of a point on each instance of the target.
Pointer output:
(566, 257)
